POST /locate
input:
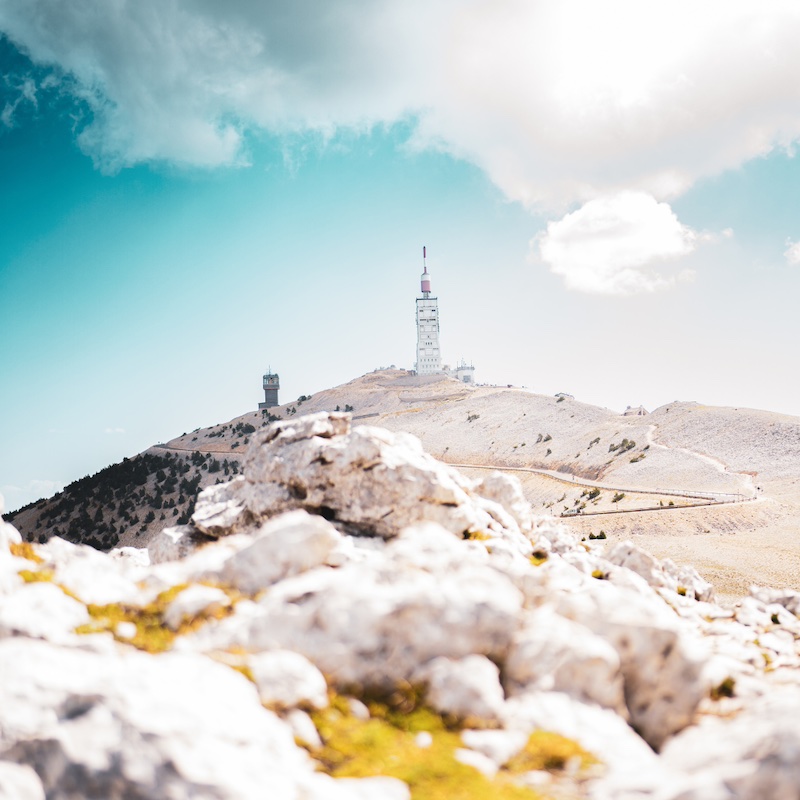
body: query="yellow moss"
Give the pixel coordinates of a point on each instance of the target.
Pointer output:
(478, 536)
(25, 550)
(551, 752)
(36, 575)
(538, 558)
(244, 670)
(45, 576)
(386, 745)
(152, 633)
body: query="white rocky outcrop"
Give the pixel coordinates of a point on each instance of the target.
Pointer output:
(285, 679)
(660, 574)
(660, 658)
(351, 561)
(468, 687)
(295, 543)
(351, 476)
(192, 601)
(19, 782)
(553, 653)
(373, 622)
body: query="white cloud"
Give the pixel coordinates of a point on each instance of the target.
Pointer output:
(114, 430)
(614, 105)
(613, 244)
(792, 252)
(557, 102)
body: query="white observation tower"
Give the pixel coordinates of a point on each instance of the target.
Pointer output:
(429, 359)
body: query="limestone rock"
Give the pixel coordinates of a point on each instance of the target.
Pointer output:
(131, 725)
(41, 610)
(284, 546)
(87, 573)
(174, 543)
(552, 537)
(552, 653)
(788, 598)
(137, 556)
(8, 535)
(506, 491)
(19, 782)
(752, 756)
(10, 566)
(367, 480)
(662, 663)
(347, 549)
(631, 768)
(476, 760)
(466, 688)
(373, 623)
(221, 509)
(287, 680)
(303, 727)
(666, 574)
(204, 562)
(192, 601)
(497, 745)
(379, 788)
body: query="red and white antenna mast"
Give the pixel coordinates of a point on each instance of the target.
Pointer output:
(425, 280)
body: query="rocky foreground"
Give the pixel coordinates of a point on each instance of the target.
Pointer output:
(352, 619)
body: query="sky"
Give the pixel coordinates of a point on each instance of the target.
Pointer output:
(193, 192)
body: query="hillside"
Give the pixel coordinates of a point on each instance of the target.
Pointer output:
(590, 460)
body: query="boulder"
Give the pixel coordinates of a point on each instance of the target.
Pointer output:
(752, 756)
(89, 574)
(506, 491)
(661, 659)
(19, 782)
(630, 769)
(195, 599)
(551, 653)
(136, 556)
(468, 688)
(284, 546)
(174, 543)
(287, 680)
(41, 610)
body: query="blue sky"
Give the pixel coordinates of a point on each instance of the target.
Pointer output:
(190, 194)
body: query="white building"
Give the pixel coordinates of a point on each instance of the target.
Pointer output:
(464, 372)
(429, 357)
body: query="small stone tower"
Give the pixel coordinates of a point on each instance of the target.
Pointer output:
(271, 385)
(429, 359)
